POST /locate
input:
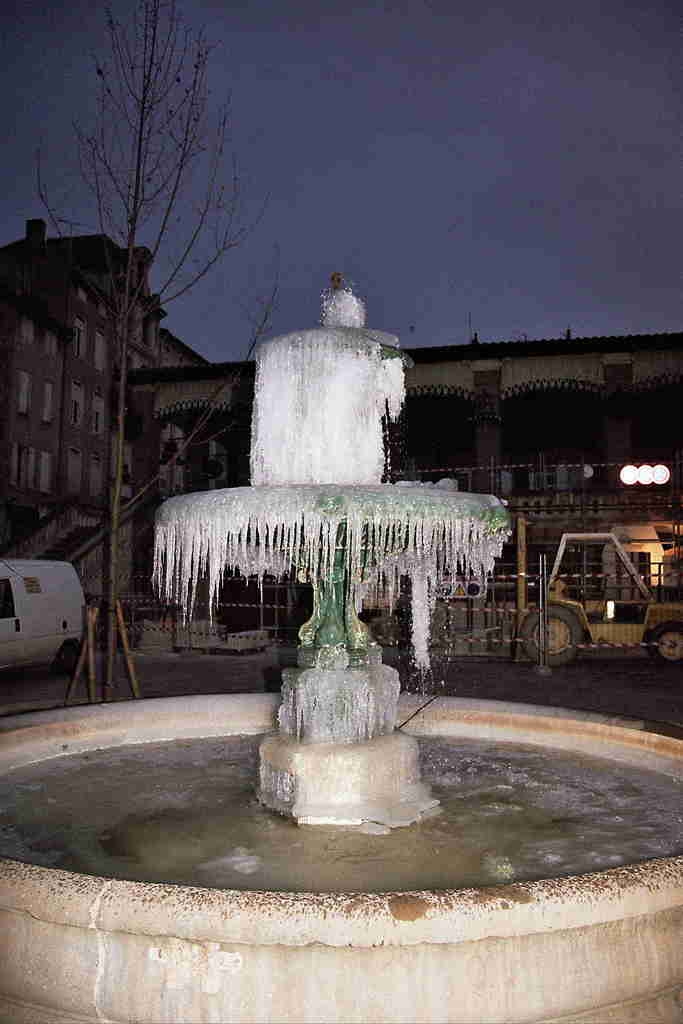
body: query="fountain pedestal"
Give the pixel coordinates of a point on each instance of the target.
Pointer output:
(344, 783)
(337, 759)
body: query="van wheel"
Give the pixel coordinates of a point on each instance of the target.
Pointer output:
(667, 643)
(66, 658)
(564, 633)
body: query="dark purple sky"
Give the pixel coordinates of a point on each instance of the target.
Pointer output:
(519, 163)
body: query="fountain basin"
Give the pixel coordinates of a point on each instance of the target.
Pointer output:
(596, 947)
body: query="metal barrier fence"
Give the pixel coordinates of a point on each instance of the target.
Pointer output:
(492, 624)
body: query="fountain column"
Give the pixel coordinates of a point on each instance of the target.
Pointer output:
(337, 758)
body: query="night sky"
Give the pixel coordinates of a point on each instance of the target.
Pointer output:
(518, 164)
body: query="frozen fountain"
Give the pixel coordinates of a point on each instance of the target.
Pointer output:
(317, 504)
(547, 885)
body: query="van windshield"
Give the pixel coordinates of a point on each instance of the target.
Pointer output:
(6, 600)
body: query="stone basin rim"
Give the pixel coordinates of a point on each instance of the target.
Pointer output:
(339, 918)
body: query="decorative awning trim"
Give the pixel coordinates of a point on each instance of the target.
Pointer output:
(561, 384)
(183, 395)
(440, 390)
(671, 378)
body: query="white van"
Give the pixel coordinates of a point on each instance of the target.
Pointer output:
(41, 613)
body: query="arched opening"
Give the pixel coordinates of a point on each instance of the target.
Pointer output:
(438, 434)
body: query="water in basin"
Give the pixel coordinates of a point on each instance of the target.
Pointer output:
(185, 812)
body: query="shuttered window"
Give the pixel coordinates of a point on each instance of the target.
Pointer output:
(48, 401)
(24, 393)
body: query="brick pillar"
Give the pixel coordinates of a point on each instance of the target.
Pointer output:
(617, 420)
(487, 430)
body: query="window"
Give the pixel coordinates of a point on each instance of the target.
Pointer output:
(73, 470)
(22, 466)
(150, 331)
(127, 470)
(24, 393)
(97, 414)
(79, 338)
(27, 331)
(100, 354)
(95, 476)
(6, 600)
(48, 401)
(33, 469)
(45, 472)
(76, 403)
(50, 344)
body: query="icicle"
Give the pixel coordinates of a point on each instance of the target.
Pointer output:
(391, 532)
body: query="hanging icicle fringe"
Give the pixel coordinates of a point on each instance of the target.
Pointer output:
(391, 531)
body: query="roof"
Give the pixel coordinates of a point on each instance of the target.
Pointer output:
(32, 307)
(545, 346)
(88, 250)
(443, 354)
(183, 346)
(209, 371)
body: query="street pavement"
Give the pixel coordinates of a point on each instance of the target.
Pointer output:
(610, 682)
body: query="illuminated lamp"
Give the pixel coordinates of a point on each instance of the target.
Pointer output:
(661, 474)
(629, 475)
(646, 474)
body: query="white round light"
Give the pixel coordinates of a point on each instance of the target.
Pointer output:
(661, 474)
(646, 474)
(628, 475)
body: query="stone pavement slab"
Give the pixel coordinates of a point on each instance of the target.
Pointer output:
(606, 682)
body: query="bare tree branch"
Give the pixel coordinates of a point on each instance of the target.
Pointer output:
(153, 163)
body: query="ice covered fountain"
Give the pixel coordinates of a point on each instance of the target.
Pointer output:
(98, 922)
(317, 505)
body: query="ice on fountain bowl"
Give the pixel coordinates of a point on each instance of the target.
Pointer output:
(318, 405)
(317, 461)
(422, 533)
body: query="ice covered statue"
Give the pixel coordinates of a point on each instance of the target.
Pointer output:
(317, 508)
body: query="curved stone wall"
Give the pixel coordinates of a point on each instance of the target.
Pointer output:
(604, 946)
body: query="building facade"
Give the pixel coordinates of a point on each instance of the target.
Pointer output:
(59, 384)
(549, 425)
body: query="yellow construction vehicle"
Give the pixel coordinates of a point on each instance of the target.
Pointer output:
(618, 611)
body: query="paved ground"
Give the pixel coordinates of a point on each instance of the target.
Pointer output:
(609, 682)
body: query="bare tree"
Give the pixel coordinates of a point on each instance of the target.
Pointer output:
(154, 162)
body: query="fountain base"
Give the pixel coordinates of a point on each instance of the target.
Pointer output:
(377, 781)
(346, 705)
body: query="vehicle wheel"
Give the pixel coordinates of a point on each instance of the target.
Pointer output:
(66, 658)
(564, 633)
(667, 639)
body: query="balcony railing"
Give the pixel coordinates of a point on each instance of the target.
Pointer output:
(571, 480)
